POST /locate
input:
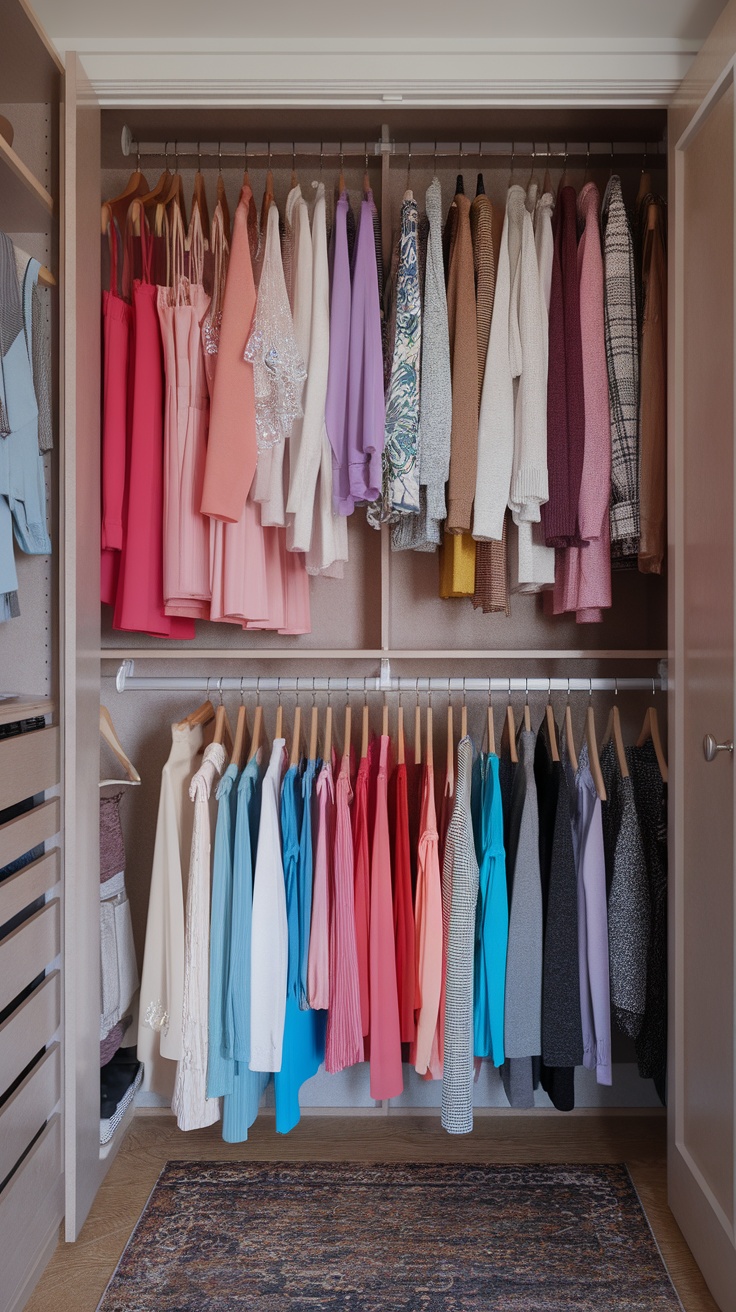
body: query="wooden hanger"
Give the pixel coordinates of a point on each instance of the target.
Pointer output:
(199, 198)
(296, 738)
(613, 730)
(107, 731)
(222, 732)
(279, 731)
(348, 729)
(202, 715)
(365, 726)
(491, 728)
(255, 740)
(313, 730)
(551, 726)
(430, 734)
(509, 730)
(527, 712)
(650, 729)
(417, 731)
(241, 729)
(115, 210)
(149, 200)
(593, 758)
(450, 745)
(400, 749)
(569, 734)
(327, 753)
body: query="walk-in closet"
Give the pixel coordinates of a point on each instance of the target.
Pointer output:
(421, 663)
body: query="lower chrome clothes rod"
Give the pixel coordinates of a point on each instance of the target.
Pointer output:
(215, 684)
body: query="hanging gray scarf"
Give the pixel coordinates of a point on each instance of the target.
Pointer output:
(11, 316)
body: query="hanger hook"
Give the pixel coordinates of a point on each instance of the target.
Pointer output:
(342, 158)
(435, 156)
(242, 692)
(464, 703)
(408, 167)
(258, 690)
(347, 691)
(219, 156)
(568, 689)
(549, 690)
(615, 687)
(246, 156)
(278, 688)
(513, 153)
(293, 157)
(176, 156)
(269, 156)
(138, 156)
(207, 689)
(417, 689)
(365, 689)
(526, 692)
(590, 689)
(509, 690)
(654, 690)
(329, 694)
(219, 689)
(199, 156)
(297, 688)
(321, 157)
(314, 693)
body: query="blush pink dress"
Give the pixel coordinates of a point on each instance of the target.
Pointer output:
(344, 1046)
(116, 330)
(387, 1080)
(362, 891)
(181, 310)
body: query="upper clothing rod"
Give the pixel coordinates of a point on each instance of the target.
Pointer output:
(126, 682)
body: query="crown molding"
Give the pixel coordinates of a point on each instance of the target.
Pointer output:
(429, 71)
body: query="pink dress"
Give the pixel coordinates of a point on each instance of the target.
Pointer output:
(116, 328)
(583, 574)
(403, 909)
(344, 1046)
(181, 310)
(387, 1080)
(429, 932)
(362, 893)
(318, 968)
(139, 603)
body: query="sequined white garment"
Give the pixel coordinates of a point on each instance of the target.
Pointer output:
(278, 367)
(190, 1104)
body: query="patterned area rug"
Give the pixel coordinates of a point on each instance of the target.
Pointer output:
(216, 1236)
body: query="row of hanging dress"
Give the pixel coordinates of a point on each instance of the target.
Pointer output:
(525, 430)
(366, 915)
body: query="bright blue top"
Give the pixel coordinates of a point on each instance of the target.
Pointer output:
(304, 1030)
(492, 921)
(240, 1105)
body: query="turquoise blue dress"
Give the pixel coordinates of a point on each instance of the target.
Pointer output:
(240, 1106)
(492, 921)
(220, 1067)
(304, 885)
(304, 1030)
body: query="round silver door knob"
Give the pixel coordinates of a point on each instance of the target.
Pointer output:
(711, 747)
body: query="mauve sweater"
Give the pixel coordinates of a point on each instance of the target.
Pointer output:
(565, 395)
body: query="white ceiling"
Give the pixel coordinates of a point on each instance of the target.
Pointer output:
(687, 20)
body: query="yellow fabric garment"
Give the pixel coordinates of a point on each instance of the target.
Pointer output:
(457, 565)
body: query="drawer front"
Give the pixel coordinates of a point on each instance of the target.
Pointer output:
(28, 830)
(29, 1029)
(28, 950)
(25, 1112)
(29, 764)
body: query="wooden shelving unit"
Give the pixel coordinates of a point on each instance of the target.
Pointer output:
(24, 707)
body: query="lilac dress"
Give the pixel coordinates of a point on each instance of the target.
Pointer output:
(337, 378)
(366, 412)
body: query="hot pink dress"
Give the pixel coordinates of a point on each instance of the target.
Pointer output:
(318, 968)
(403, 909)
(139, 603)
(362, 892)
(116, 327)
(387, 1080)
(344, 1045)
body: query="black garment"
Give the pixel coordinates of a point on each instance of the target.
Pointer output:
(116, 1078)
(562, 1031)
(627, 881)
(506, 771)
(650, 793)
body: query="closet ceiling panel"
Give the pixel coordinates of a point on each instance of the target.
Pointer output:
(683, 19)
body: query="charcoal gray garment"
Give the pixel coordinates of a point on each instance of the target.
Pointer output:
(629, 914)
(562, 1033)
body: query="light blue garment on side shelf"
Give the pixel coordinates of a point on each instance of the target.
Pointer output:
(220, 1068)
(240, 1106)
(304, 1031)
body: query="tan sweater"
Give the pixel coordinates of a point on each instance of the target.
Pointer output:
(461, 314)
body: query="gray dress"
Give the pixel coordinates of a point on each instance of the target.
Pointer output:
(461, 868)
(629, 913)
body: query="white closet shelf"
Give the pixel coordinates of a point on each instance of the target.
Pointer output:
(25, 204)
(23, 706)
(376, 653)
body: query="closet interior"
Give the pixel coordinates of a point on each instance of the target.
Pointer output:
(382, 633)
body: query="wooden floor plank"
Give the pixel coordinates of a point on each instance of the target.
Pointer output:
(78, 1273)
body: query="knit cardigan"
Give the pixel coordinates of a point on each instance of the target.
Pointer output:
(496, 421)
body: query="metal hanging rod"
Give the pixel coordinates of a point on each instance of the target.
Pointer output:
(126, 682)
(238, 153)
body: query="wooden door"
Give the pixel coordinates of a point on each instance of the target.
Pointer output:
(81, 643)
(702, 1084)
